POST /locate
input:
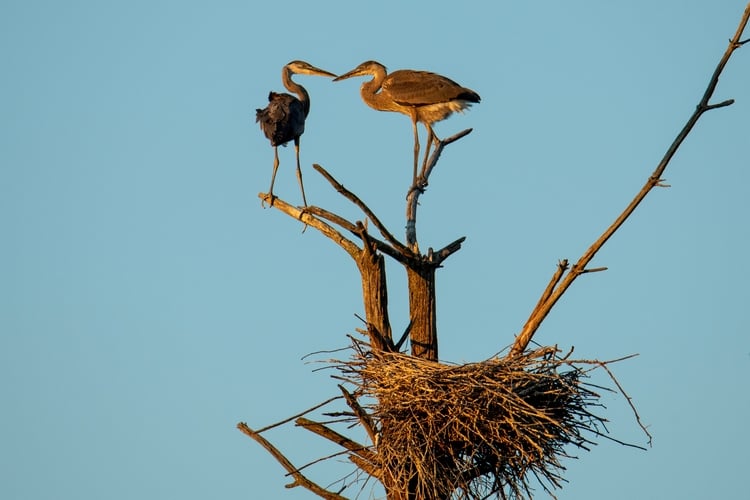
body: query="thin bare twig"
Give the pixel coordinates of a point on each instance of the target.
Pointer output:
(550, 298)
(623, 443)
(323, 459)
(629, 400)
(282, 422)
(594, 270)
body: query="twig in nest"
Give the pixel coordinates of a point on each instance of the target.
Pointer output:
(630, 402)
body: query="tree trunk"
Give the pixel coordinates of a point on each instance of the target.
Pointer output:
(375, 297)
(423, 335)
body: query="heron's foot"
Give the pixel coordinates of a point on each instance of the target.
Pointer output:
(412, 189)
(419, 185)
(269, 197)
(302, 211)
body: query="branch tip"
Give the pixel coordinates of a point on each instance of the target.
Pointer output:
(722, 104)
(456, 137)
(594, 270)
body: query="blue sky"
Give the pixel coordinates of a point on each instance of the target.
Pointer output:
(148, 303)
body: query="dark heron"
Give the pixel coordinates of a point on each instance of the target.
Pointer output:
(425, 97)
(283, 119)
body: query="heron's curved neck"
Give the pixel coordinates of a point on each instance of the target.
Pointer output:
(369, 91)
(291, 86)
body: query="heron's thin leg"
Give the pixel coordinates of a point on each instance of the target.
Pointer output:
(299, 171)
(416, 148)
(431, 137)
(273, 175)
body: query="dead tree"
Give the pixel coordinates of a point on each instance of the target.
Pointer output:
(438, 430)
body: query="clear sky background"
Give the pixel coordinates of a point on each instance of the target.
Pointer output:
(148, 303)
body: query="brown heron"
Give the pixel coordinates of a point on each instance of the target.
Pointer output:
(283, 119)
(425, 97)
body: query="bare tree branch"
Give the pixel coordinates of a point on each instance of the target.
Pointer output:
(551, 296)
(339, 439)
(425, 174)
(299, 478)
(302, 215)
(331, 217)
(362, 206)
(445, 252)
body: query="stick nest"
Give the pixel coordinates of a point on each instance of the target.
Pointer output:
(477, 429)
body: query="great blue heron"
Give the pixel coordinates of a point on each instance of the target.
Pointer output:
(283, 119)
(425, 97)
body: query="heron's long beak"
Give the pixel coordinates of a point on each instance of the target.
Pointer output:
(354, 72)
(322, 72)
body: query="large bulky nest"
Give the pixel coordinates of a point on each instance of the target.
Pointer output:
(475, 430)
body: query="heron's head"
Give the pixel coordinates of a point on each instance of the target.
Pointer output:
(366, 68)
(303, 68)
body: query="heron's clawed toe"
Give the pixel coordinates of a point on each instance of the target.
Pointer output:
(304, 210)
(268, 197)
(418, 186)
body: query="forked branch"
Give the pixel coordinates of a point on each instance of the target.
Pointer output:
(559, 283)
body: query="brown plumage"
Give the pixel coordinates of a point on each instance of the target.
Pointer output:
(423, 96)
(283, 120)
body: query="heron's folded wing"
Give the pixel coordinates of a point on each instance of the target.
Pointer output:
(420, 88)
